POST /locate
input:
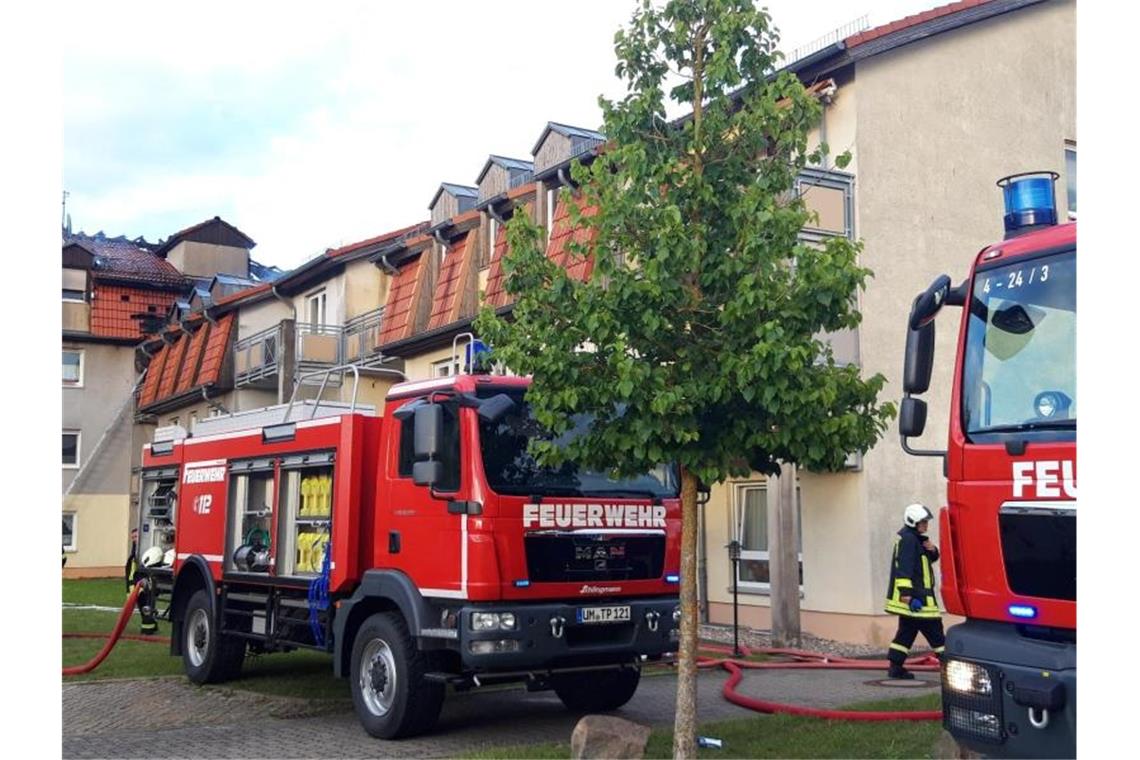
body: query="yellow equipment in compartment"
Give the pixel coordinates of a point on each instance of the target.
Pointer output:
(316, 495)
(311, 550)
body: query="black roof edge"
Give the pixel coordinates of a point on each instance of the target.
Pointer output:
(171, 403)
(585, 157)
(84, 337)
(424, 341)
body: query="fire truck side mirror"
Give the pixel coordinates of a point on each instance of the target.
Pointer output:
(928, 303)
(427, 473)
(428, 431)
(912, 417)
(919, 361)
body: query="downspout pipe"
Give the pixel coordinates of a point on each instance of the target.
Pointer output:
(439, 238)
(387, 265)
(494, 214)
(564, 178)
(288, 302)
(211, 403)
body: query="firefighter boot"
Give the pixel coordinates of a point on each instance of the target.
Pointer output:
(899, 672)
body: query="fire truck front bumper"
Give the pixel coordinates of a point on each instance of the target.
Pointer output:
(552, 635)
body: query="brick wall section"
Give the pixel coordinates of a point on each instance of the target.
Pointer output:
(558, 250)
(175, 354)
(111, 314)
(216, 346)
(398, 311)
(448, 291)
(192, 360)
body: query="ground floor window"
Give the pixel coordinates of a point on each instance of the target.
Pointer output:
(750, 510)
(69, 531)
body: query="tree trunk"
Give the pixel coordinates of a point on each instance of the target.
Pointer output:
(685, 718)
(783, 560)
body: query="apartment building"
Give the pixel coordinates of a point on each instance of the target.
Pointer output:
(116, 291)
(933, 108)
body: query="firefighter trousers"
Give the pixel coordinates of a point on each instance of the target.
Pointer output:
(909, 628)
(145, 605)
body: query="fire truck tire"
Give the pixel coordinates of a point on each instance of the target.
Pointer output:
(590, 692)
(391, 696)
(207, 655)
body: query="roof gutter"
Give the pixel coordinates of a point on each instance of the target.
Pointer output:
(494, 214)
(282, 299)
(211, 403)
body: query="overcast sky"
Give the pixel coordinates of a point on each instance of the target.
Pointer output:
(310, 126)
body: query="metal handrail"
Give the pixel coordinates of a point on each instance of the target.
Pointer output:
(455, 351)
(326, 372)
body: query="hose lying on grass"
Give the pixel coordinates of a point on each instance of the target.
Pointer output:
(116, 634)
(810, 661)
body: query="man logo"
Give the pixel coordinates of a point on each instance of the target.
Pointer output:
(202, 504)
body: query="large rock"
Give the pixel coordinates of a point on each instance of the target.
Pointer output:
(604, 736)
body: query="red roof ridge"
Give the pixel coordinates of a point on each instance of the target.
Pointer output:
(344, 249)
(912, 20)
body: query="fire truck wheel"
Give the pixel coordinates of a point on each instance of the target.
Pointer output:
(207, 655)
(593, 691)
(391, 696)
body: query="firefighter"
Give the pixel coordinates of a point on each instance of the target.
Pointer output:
(910, 594)
(134, 573)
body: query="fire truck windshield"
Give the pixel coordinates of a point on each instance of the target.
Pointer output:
(511, 469)
(1020, 370)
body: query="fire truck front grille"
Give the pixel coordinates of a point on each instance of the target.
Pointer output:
(1039, 547)
(570, 557)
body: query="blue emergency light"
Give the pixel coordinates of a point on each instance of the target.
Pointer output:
(1023, 611)
(477, 352)
(672, 578)
(1029, 201)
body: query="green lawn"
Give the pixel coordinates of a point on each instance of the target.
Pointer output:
(301, 673)
(788, 736)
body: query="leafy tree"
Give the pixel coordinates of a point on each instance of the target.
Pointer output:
(695, 339)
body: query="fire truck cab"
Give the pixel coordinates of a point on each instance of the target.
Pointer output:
(1008, 532)
(420, 548)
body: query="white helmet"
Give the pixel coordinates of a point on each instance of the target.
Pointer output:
(915, 514)
(168, 558)
(152, 557)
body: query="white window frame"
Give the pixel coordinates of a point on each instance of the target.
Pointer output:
(551, 202)
(320, 299)
(73, 546)
(492, 230)
(1070, 147)
(444, 368)
(739, 496)
(79, 382)
(78, 449)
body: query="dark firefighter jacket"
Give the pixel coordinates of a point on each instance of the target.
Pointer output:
(912, 575)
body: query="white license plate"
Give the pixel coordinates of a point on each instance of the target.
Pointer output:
(603, 614)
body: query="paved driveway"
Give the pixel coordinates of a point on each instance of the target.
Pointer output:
(168, 717)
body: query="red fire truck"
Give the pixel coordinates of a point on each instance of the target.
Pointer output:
(1008, 532)
(422, 548)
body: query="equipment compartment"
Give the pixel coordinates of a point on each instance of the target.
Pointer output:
(157, 513)
(306, 513)
(252, 485)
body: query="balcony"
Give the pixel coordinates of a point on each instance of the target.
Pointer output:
(292, 348)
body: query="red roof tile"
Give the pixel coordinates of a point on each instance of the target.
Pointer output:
(216, 346)
(192, 359)
(121, 259)
(496, 295)
(175, 353)
(116, 310)
(448, 291)
(402, 296)
(909, 21)
(149, 391)
(561, 234)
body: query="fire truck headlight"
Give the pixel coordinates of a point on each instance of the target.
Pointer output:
(493, 647)
(484, 621)
(507, 621)
(967, 678)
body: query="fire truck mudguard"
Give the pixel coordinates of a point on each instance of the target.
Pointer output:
(379, 590)
(192, 576)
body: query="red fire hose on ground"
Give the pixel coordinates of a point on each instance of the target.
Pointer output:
(116, 634)
(810, 661)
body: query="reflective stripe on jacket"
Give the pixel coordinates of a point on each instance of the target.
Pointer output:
(912, 575)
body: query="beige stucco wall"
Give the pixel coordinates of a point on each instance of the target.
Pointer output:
(108, 376)
(207, 259)
(260, 316)
(939, 121)
(76, 316)
(334, 288)
(101, 532)
(419, 367)
(365, 289)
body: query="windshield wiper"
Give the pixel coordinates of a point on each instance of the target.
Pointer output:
(1069, 424)
(631, 493)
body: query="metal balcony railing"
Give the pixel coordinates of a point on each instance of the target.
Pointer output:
(362, 337)
(319, 346)
(257, 357)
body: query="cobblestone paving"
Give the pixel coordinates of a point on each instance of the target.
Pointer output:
(163, 718)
